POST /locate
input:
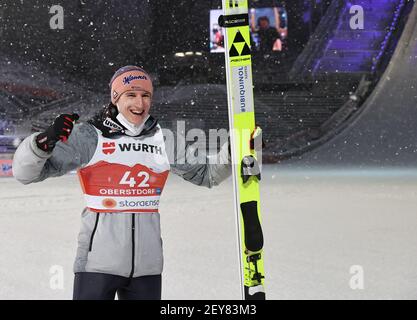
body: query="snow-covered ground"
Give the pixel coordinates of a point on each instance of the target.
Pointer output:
(317, 225)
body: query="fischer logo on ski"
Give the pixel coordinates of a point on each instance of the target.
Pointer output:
(239, 42)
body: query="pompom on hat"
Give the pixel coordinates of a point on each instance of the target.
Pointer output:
(129, 78)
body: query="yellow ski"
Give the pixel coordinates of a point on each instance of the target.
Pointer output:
(245, 156)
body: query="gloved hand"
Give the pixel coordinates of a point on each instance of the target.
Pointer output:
(256, 141)
(59, 130)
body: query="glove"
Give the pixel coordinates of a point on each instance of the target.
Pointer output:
(59, 130)
(256, 141)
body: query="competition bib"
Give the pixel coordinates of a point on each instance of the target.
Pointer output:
(125, 174)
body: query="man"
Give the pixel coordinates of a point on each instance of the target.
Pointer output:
(269, 37)
(122, 162)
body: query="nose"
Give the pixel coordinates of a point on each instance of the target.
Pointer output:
(138, 102)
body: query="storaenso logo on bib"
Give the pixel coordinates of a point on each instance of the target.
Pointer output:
(109, 203)
(242, 92)
(139, 204)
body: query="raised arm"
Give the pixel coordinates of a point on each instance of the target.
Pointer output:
(252, 20)
(32, 164)
(282, 31)
(277, 19)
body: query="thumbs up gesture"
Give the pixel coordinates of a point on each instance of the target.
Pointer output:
(59, 130)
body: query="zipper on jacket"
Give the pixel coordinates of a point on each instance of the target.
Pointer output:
(94, 231)
(133, 246)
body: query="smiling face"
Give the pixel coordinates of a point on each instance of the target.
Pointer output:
(135, 105)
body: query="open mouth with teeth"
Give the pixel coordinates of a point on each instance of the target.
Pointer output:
(137, 113)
